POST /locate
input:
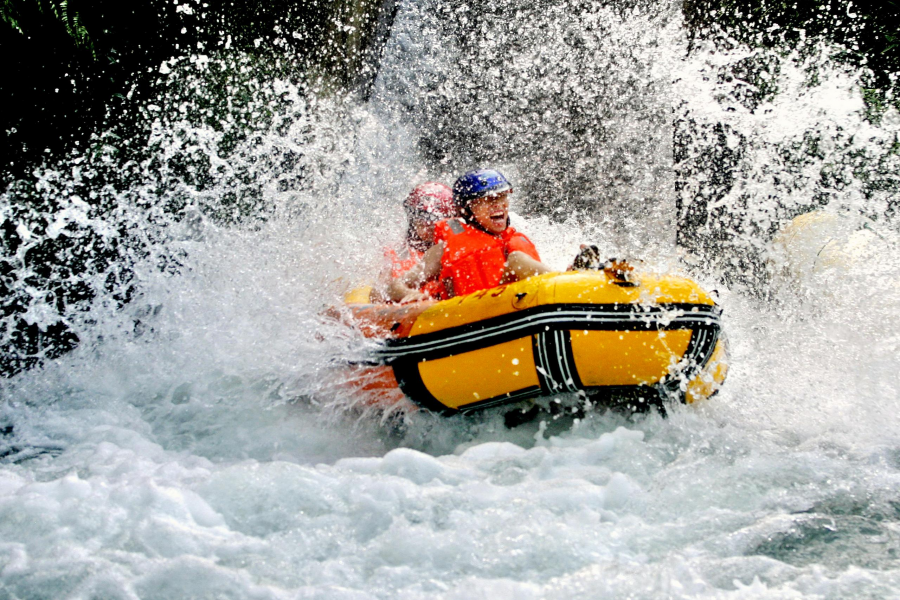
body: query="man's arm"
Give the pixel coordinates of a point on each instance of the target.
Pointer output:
(521, 266)
(406, 287)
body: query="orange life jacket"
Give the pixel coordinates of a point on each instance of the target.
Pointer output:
(406, 259)
(473, 259)
(402, 261)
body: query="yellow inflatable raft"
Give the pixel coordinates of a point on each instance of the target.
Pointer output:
(654, 338)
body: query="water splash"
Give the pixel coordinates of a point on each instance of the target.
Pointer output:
(184, 442)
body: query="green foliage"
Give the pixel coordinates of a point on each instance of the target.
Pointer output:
(7, 15)
(72, 22)
(20, 15)
(72, 66)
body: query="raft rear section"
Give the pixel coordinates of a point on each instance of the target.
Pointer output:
(659, 338)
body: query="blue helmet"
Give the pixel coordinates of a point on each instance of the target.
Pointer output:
(478, 184)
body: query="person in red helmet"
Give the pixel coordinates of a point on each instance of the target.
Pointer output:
(425, 206)
(477, 251)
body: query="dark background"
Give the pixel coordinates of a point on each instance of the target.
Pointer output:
(66, 63)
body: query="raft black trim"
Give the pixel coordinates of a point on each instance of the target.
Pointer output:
(409, 380)
(515, 325)
(523, 394)
(550, 328)
(699, 351)
(555, 362)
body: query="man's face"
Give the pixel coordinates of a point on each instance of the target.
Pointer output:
(425, 229)
(491, 212)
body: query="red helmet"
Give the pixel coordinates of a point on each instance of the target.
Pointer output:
(431, 200)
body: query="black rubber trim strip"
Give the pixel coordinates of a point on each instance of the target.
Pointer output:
(409, 379)
(555, 362)
(523, 394)
(511, 326)
(569, 357)
(545, 379)
(698, 353)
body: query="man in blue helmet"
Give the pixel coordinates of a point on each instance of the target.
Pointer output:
(477, 251)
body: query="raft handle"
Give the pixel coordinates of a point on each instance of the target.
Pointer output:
(521, 295)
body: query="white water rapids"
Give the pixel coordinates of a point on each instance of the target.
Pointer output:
(211, 452)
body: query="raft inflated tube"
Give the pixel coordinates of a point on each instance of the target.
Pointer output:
(581, 331)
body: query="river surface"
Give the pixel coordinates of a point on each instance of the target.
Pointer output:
(199, 443)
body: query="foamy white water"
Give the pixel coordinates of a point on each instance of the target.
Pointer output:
(210, 452)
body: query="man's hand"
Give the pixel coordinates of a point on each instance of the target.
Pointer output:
(588, 258)
(414, 296)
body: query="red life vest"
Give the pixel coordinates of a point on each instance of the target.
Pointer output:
(473, 259)
(406, 259)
